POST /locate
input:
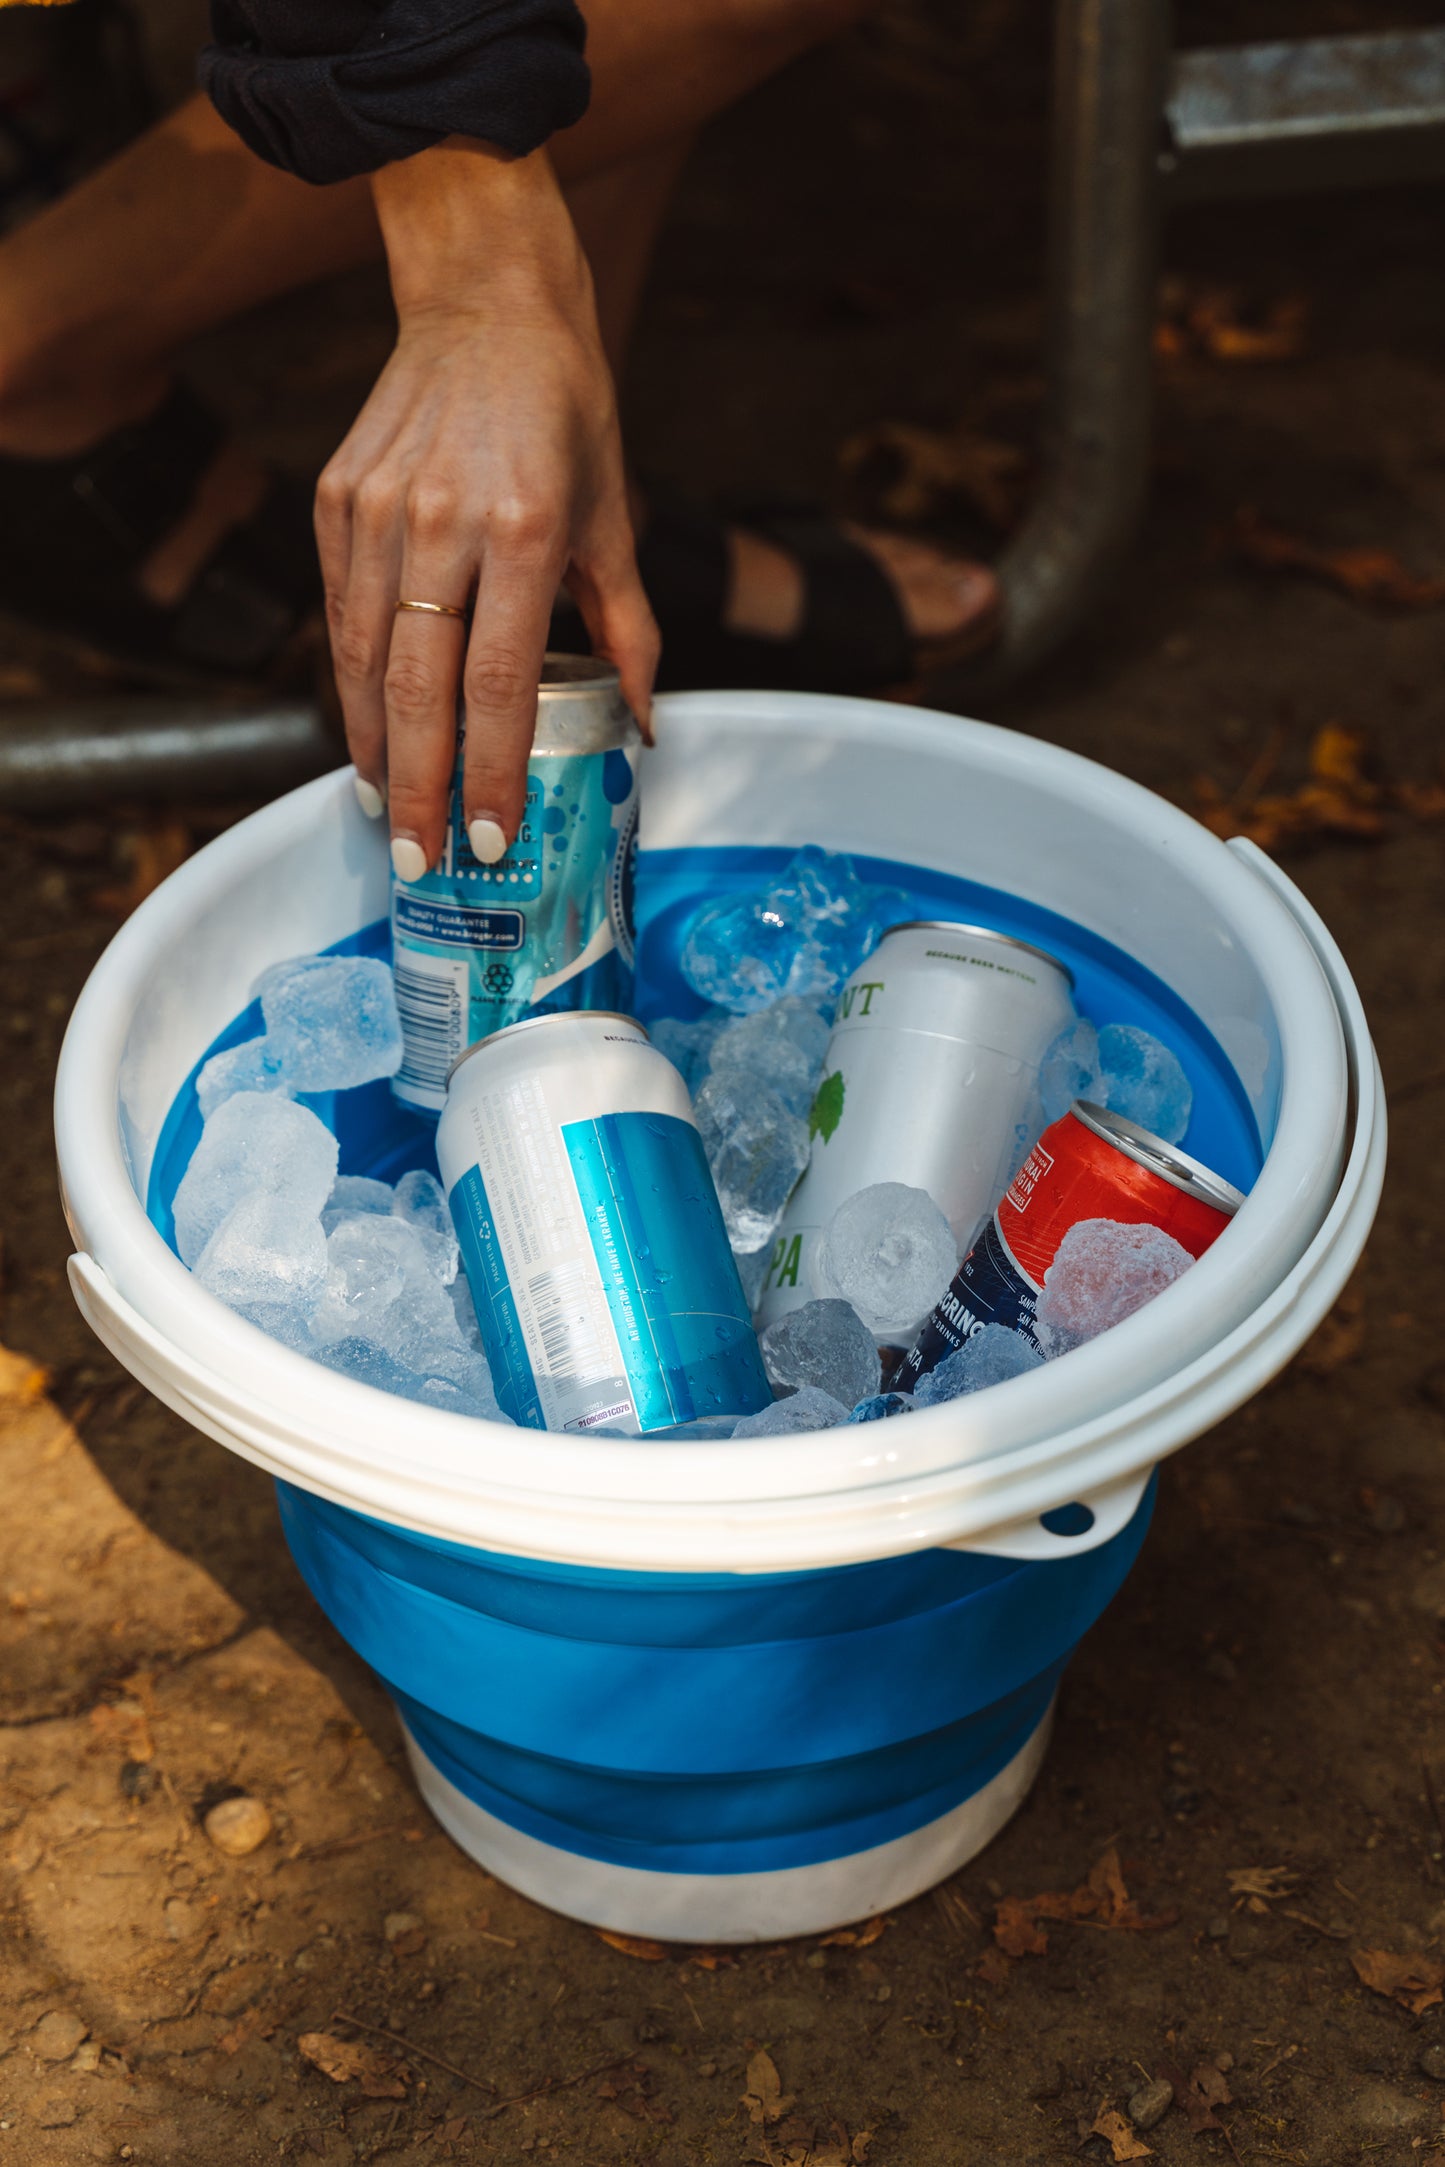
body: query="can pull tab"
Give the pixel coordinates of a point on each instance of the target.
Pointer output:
(1084, 1524)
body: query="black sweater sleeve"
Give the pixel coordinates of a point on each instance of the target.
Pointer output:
(331, 88)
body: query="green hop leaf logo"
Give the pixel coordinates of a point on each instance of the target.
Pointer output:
(827, 1108)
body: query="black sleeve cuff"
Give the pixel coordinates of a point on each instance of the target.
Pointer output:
(511, 72)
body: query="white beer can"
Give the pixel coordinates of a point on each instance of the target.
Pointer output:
(591, 1233)
(930, 1078)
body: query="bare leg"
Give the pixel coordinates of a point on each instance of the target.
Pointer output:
(187, 229)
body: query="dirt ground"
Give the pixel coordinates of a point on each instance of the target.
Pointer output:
(1255, 1730)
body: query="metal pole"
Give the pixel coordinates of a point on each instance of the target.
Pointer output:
(53, 758)
(1111, 70)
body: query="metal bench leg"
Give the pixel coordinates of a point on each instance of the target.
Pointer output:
(1110, 80)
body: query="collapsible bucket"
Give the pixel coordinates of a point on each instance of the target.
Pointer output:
(727, 1691)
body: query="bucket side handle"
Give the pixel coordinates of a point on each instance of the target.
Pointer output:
(1085, 1524)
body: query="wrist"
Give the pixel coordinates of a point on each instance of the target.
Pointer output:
(463, 221)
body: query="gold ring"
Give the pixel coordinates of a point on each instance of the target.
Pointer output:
(433, 609)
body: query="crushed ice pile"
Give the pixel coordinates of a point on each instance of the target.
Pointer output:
(364, 1277)
(358, 1274)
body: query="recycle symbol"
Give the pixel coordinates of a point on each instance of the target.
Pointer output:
(497, 978)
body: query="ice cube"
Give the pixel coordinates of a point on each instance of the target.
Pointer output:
(781, 1046)
(1102, 1272)
(422, 1201)
(254, 1065)
(267, 1259)
(351, 1196)
(756, 1149)
(688, 1046)
(991, 1356)
(803, 933)
(256, 1141)
(1069, 1070)
(889, 1252)
(807, 1409)
(824, 1344)
(1143, 1080)
(368, 1364)
(368, 1260)
(882, 1406)
(332, 1020)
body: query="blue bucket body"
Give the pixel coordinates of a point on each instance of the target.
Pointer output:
(706, 1725)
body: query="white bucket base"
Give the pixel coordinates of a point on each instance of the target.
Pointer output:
(732, 1907)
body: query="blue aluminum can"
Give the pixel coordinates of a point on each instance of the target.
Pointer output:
(549, 927)
(591, 1232)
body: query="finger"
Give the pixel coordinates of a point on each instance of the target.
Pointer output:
(361, 623)
(621, 626)
(503, 671)
(420, 691)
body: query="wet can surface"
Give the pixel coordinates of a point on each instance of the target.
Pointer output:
(1092, 1164)
(928, 1079)
(591, 1233)
(549, 927)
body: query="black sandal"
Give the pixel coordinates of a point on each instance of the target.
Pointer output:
(74, 532)
(853, 636)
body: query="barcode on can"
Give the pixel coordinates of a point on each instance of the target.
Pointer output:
(432, 1006)
(564, 1312)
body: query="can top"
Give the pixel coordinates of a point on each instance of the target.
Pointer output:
(532, 1023)
(978, 932)
(1166, 1160)
(580, 707)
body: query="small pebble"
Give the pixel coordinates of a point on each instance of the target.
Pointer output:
(398, 1923)
(707, 2069)
(86, 2059)
(55, 2113)
(238, 1826)
(57, 2035)
(1431, 2062)
(1151, 2103)
(1218, 1929)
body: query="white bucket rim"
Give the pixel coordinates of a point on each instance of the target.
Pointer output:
(762, 1504)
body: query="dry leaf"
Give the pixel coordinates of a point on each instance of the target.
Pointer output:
(993, 1967)
(712, 1959)
(1373, 576)
(1415, 1982)
(1338, 798)
(647, 1952)
(855, 1937)
(1423, 801)
(1269, 1882)
(1123, 2142)
(1102, 1900)
(21, 1379)
(1215, 321)
(1207, 2089)
(345, 2059)
(257, 2023)
(765, 2098)
(927, 467)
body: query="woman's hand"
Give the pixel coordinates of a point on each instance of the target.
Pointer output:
(485, 469)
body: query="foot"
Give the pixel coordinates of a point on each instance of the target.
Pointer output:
(943, 598)
(67, 424)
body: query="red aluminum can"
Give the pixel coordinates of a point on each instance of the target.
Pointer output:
(1090, 1165)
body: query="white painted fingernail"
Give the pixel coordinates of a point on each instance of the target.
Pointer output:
(487, 838)
(371, 800)
(408, 859)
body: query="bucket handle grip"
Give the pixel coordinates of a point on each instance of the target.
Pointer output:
(1083, 1525)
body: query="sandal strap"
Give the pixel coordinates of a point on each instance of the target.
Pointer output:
(853, 632)
(140, 481)
(683, 561)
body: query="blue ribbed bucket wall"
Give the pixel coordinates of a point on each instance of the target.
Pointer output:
(707, 1723)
